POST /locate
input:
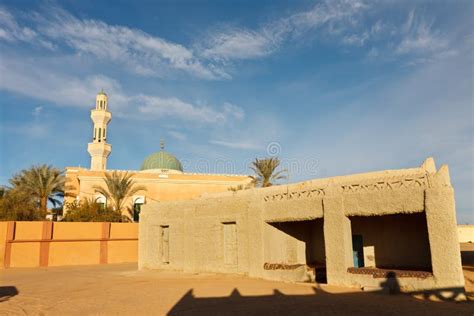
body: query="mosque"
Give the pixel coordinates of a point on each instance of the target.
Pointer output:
(161, 173)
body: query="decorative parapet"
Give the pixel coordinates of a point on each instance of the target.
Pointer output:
(409, 182)
(358, 186)
(308, 193)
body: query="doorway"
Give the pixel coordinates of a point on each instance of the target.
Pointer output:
(165, 247)
(230, 243)
(358, 251)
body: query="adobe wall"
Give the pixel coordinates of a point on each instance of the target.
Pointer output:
(273, 240)
(43, 244)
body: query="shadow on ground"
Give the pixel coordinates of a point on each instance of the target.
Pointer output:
(6, 292)
(321, 302)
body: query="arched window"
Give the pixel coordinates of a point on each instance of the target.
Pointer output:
(138, 201)
(101, 200)
(100, 132)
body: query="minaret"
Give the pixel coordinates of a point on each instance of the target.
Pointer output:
(99, 149)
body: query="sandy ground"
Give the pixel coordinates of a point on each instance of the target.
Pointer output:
(122, 290)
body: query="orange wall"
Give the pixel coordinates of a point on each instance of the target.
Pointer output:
(71, 244)
(3, 236)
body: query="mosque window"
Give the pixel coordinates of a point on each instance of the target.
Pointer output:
(100, 132)
(101, 201)
(136, 212)
(95, 133)
(138, 201)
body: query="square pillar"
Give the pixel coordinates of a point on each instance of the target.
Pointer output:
(337, 240)
(46, 237)
(443, 237)
(105, 236)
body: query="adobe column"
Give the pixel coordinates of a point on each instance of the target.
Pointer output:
(337, 240)
(46, 237)
(442, 231)
(10, 236)
(104, 251)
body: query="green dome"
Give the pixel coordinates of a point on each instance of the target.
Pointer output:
(161, 160)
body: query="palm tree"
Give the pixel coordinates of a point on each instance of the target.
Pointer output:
(42, 182)
(265, 170)
(3, 190)
(119, 186)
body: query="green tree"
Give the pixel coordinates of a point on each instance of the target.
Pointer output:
(17, 205)
(43, 183)
(90, 211)
(265, 171)
(118, 186)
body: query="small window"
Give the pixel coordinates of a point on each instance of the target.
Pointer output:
(136, 212)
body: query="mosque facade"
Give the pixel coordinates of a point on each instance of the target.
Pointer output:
(161, 173)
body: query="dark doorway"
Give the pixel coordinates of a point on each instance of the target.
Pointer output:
(165, 244)
(358, 251)
(311, 232)
(136, 212)
(398, 241)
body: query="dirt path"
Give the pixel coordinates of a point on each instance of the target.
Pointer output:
(122, 290)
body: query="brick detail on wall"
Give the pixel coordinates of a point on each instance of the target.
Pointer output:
(46, 236)
(104, 243)
(8, 246)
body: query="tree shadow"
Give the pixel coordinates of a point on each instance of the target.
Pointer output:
(322, 302)
(7, 292)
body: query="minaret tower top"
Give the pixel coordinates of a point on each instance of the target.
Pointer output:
(99, 149)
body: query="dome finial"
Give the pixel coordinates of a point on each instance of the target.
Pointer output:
(162, 144)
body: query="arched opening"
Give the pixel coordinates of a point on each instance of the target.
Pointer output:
(101, 200)
(138, 201)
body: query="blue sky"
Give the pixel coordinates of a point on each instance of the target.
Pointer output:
(336, 87)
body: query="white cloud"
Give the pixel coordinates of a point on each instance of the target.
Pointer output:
(236, 145)
(238, 44)
(356, 39)
(419, 37)
(158, 107)
(11, 31)
(30, 78)
(241, 43)
(233, 110)
(328, 12)
(345, 22)
(178, 135)
(35, 80)
(142, 53)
